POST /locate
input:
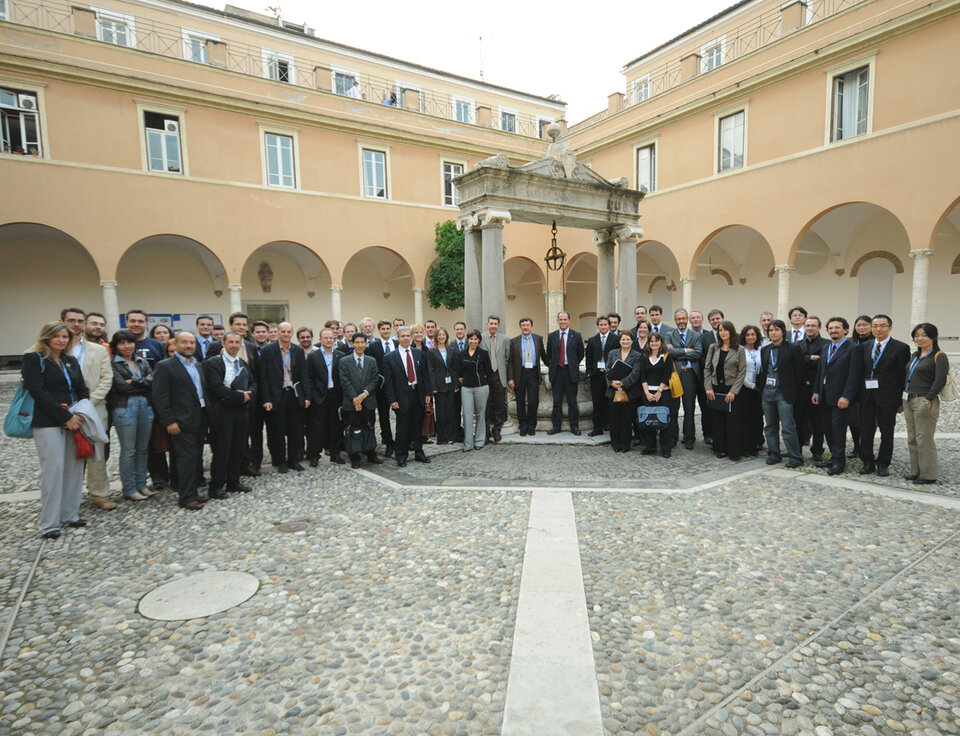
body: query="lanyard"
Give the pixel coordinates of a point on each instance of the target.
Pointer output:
(774, 357)
(66, 374)
(913, 365)
(443, 354)
(833, 350)
(753, 360)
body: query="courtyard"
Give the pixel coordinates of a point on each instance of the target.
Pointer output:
(496, 592)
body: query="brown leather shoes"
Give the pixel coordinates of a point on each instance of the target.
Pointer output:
(192, 505)
(103, 503)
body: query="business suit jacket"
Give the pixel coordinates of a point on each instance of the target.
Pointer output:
(253, 354)
(503, 354)
(318, 378)
(375, 351)
(809, 348)
(594, 353)
(270, 374)
(789, 369)
(227, 396)
(354, 382)
(841, 377)
(694, 341)
(98, 375)
(515, 359)
(438, 371)
(575, 351)
(175, 397)
(395, 383)
(734, 368)
(212, 349)
(891, 371)
(633, 383)
(49, 388)
(666, 332)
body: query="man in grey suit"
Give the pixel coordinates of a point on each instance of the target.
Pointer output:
(496, 345)
(686, 348)
(358, 382)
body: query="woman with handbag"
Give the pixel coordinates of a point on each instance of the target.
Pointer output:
(53, 377)
(751, 410)
(926, 378)
(623, 393)
(723, 373)
(655, 370)
(475, 373)
(131, 413)
(443, 365)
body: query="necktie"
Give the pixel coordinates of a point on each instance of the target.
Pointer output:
(563, 348)
(683, 339)
(876, 352)
(460, 344)
(796, 335)
(833, 351)
(386, 347)
(411, 375)
(493, 353)
(360, 364)
(236, 365)
(527, 356)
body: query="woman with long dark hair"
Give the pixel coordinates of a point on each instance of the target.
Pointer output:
(926, 377)
(862, 331)
(623, 413)
(655, 370)
(724, 369)
(131, 413)
(443, 368)
(475, 373)
(751, 410)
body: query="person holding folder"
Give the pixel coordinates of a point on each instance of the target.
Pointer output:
(623, 391)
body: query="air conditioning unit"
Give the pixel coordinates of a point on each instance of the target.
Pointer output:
(171, 126)
(27, 102)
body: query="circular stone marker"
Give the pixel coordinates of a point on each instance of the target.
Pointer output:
(197, 596)
(290, 527)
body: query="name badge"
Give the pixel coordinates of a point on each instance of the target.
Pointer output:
(872, 383)
(906, 396)
(447, 379)
(772, 381)
(601, 365)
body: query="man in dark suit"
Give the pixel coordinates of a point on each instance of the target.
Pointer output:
(405, 382)
(359, 380)
(779, 377)
(596, 351)
(230, 386)
(614, 320)
(808, 417)
(706, 340)
(284, 393)
(497, 345)
(180, 401)
(685, 347)
(459, 340)
(885, 374)
(523, 375)
(564, 352)
(838, 383)
(378, 349)
(324, 428)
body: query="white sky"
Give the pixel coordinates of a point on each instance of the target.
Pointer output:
(535, 47)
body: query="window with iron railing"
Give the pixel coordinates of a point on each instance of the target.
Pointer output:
(508, 121)
(116, 28)
(641, 90)
(19, 123)
(463, 110)
(712, 55)
(278, 66)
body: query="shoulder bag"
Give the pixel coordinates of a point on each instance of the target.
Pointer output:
(949, 390)
(20, 414)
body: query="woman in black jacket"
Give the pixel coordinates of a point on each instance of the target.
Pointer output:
(622, 413)
(131, 413)
(54, 379)
(475, 373)
(443, 366)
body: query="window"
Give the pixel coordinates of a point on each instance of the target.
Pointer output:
(641, 89)
(346, 82)
(462, 110)
(508, 120)
(280, 163)
(647, 167)
(851, 96)
(116, 28)
(195, 46)
(278, 66)
(413, 102)
(19, 123)
(542, 125)
(451, 197)
(4, 11)
(163, 142)
(374, 173)
(712, 54)
(731, 135)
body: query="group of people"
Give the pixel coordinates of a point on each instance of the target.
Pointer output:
(168, 394)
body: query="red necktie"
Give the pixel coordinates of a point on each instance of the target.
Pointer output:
(563, 348)
(411, 376)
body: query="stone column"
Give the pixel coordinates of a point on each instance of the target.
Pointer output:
(418, 305)
(627, 268)
(783, 290)
(687, 282)
(236, 303)
(921, 280)
(111, 308)
(336, 309)
(471, 271)
(554, 299)
(494, 295)
(606, 272)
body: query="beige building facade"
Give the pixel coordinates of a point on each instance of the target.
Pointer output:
(164, 156)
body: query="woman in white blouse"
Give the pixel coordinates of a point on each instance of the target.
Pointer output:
(751, 410)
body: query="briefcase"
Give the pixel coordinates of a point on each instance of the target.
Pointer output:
(719, 403)
(653, 417)
(359, 440)
(429, 428)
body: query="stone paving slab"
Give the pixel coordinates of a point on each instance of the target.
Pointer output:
(392, 613)
(691, 596)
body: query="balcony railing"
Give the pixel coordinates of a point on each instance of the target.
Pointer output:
(165, 39)
(749, 36)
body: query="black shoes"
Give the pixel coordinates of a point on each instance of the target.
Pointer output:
(296, 466)
(54, 534)
(354, 463)
(883, 471)
(389, 451)
(910, 477)
(835, 470)
(421, 458)
(218, 494)
(824, 464)
(336, 459)
(240, 488)
(282, 468)
(314, 462)
(374, 460)
(794, 464)
(575, 432)
(553, 430)
(774, 460)
(595, 433)
(78, 524)
(924, 481)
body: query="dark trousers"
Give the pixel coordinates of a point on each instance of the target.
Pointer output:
(383, 412)
(689, 381)
(446, 406)
(363, 418)
(285, 429)
(565, 387)
(649, 436)
(621, 416)
(598, 396)
(496, 413)
(809, 420)
(705, 423)
(409, 427)
(871, 417)
(323, 427)
(751, 418)
(228, 443)
(186, 451)
(835, 430)
(254, 452)
(527, 393)
(853, 421)
(727, 427)
(157, 465)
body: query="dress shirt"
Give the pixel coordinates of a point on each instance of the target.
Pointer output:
(526, 342)
(231, 368)
(204, 343)
(461, 344)
(387, 345)
(493, 353)
(753, 367)
(563, 347)
(874, 361)
(328, 359)
(404, 353)
(285, 362)
(797, 335)
(656, 328)
(191, 365)
(78, 350)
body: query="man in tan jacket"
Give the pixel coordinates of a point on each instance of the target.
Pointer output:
(94, 359)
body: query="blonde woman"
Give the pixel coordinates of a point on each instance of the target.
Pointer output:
(53, 377)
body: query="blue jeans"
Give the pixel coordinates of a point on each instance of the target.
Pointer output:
(133, 424)
(778, 415)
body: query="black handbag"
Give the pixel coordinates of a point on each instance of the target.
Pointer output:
(359, 440)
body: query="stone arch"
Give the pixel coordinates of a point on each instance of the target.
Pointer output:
(671, 285)
(884, 254)
(286, 279)
(951, 218)
(378, 282)
(736, 243)
(728, 259)
(955, 268)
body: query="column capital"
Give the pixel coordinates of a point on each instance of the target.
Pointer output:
(687, 279)
(418, 290)
(468, 221)
(336, 287)
(494, 218)
(784, 268)
(921, 253)
(627, 232)
(605, 235)
(108, 284)
(235, 287)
